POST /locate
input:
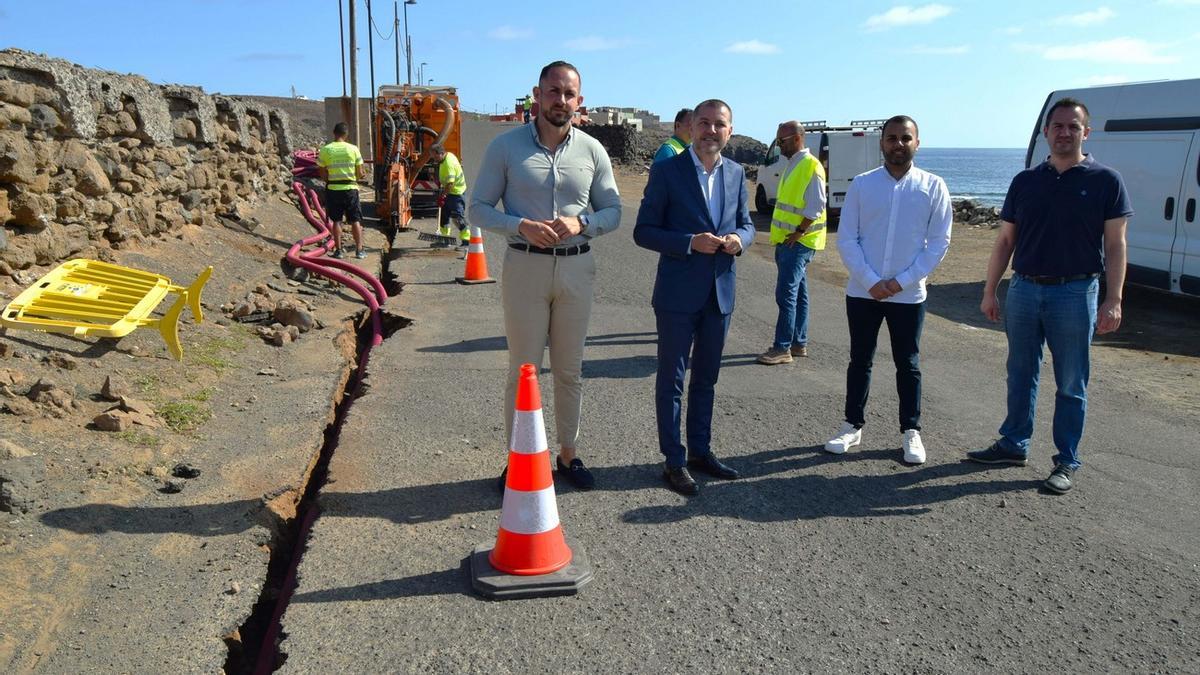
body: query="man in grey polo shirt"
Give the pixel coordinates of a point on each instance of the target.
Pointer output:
(558, 190)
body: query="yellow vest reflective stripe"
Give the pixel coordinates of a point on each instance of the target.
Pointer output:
(676, 145)
(451, 175)
(341, 160)
(789, 205)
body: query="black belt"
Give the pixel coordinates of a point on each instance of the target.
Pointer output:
(564, 250)
(1056, 281)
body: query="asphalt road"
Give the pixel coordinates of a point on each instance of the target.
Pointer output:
(809, 563)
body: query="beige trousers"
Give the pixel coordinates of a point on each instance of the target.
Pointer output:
(548, 300)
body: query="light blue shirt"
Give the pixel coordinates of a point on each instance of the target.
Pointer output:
(712, 184)
(894, 229)
(537, 184)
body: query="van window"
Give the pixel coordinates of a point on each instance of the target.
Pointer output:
(772, 154)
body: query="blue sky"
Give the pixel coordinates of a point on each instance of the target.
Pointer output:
(973, 74)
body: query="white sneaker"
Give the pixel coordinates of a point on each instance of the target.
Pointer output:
(914, 449)
(847, 438)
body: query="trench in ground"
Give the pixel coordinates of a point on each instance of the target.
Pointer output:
(254, 647)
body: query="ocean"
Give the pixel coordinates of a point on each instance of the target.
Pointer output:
(979, 173)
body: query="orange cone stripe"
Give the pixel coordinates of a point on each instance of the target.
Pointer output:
(530, 554)
(528, 432)
(529, 472)
(529, 512)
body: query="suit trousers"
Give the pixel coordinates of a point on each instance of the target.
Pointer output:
(702, 335)
(548, 301)
(905, 321)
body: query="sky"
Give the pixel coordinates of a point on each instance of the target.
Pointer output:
(973, 74)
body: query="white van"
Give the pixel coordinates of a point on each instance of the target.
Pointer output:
(1150, 133)
(845, 152)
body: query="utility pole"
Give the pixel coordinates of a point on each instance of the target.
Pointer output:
(342, 41)
(353, 78)
(371, 48)
(407, 43)
(396, 35)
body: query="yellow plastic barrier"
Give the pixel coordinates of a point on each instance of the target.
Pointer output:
(89, 297)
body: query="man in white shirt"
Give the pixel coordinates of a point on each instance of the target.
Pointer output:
(895, 229)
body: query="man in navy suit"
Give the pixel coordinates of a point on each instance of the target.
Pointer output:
(695, 213)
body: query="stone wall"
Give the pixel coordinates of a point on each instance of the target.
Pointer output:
(91, 160)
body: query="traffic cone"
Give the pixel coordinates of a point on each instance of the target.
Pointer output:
(531, 557)
(477, 272)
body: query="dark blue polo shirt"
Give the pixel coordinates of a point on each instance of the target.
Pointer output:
(1060, 217)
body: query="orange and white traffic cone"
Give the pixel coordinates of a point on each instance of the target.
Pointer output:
(531, 557)
(477, 272)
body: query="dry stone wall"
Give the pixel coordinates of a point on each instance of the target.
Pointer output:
(91, 160)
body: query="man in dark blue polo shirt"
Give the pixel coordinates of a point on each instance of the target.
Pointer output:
(1062, 225)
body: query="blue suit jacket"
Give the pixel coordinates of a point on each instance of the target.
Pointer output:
(673, 209)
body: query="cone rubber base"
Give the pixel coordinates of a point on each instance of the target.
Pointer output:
(496, 585)
(464, 280)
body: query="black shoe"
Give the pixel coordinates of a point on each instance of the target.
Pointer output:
(502, 480)
(995, 454)
(681, 481)
(1059, 481)
(577, 473)
(712, 466)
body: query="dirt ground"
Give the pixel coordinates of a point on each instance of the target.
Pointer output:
(246, 416)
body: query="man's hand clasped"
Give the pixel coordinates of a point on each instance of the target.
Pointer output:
(548, 233)
(885, 289)
(709, 243)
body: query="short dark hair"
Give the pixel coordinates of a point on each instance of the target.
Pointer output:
(682, 114)
(901, 119)
(714, 102)
(557, 64)
(437, 149)
(341, 129)
(1068, 102)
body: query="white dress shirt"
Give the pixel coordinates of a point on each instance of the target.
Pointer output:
(894, 229)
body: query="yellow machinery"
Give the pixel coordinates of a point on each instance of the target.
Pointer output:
(409, 121)
(89, 297)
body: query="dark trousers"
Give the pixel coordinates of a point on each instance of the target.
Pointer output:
(702, 335)
(904, 327)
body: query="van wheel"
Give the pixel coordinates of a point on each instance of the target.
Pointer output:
(760, 201)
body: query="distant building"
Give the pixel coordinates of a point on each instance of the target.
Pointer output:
(634, 117)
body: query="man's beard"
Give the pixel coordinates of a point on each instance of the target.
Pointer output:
(563, 118)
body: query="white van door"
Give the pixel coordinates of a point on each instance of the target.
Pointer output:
(768, 180)
(1152, 164)
(849, 155)
(1187, 237)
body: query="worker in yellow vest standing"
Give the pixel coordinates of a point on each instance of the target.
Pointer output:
(454, 186)
(527, 108)
(341, 167)
(797, 233)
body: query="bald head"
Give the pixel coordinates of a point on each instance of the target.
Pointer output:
(790, 137)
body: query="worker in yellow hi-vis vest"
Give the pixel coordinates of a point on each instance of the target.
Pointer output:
(453, 191)
(797, 232)
(341, 167)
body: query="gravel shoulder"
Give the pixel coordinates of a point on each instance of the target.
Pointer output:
(109, 562)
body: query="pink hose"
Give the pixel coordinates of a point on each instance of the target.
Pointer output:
(315, 262)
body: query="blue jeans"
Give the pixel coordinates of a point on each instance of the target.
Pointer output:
(791, 295)
(1063, 317)
(904, 321)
